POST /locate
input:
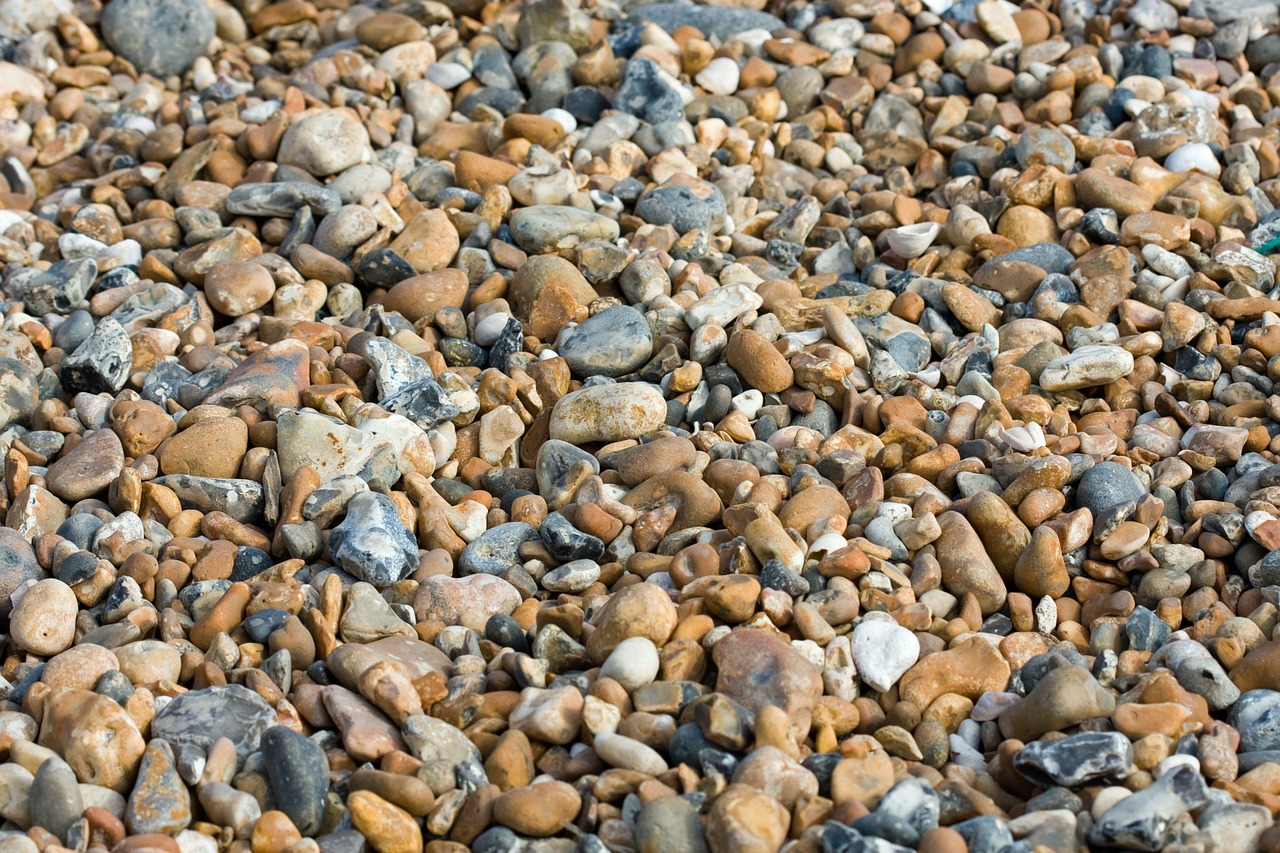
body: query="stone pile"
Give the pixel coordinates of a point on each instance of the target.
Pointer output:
(454, 425)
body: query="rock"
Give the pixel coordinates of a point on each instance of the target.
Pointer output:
(101, 363)
(1110, 492)
(759, 364)
(1077, 759)
(970, 669)
(540, 810)
(95, 736)
(324, 143)
(669, 823)
(607, 413)
(200, 717)
(719, 21)
(469, 601)
(614, 342)
(1085, 368)
(43, 620)
(882, 652)
(297, 771)
(745, 819)
(1067, 696)
(55, 798)
(1140, 821)
(236, 288)
(388, 828)
(965, 564)
(757, 670)
(640, 610)
(633, 663)
(543, 227)
(159, 38)
(159, 802)
(372, 542)
(553, 715)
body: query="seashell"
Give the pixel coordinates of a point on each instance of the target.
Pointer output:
(910, 241)
(827, 543)
(1194, 156)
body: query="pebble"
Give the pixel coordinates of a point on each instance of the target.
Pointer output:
(159, 38)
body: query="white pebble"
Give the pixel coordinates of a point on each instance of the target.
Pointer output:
(633, 663)
(563, 118)
(448, 75)
(720, 77)
(488, 329)
(1193, 157)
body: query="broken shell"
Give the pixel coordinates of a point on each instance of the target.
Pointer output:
(910, 241)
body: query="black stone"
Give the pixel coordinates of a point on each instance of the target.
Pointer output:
(298, 773)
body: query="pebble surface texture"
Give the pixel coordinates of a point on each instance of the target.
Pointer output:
(572, 426)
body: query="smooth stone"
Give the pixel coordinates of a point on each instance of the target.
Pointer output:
(298, 772)
(160, 37)
(608, 413)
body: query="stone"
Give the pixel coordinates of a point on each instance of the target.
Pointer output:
(1141, 821)
(159, 38)
(101, 363)
(324, 143)
(1086, 367)
(89, 468)
(745, 819)
(372, 542)
(55, 798)
(757, 670)
(543, 228)
(669, 823)
(1077, 759)
(607, 413)
(612, 343)
(641, 610)
(539, 810)
(95, 736)
(388, 828)
(1067, 696)
(965, 564)
(200, 717)
(159, 802)
(43, 620)
(882, 652)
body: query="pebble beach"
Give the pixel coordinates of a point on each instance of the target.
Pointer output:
(587, 426)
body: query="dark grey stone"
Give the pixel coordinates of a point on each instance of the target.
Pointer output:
(101, 363)
(241, 499)
(1076, 759)
(372, 542)
(646, 94)
(566, 542)
(200, 717)
(161, 37)
(298, 773)
(718, 21)
(282, 199)
(612, 343)
(670, 823)
(61, 287)
(55, 797)
(496, 550)
(1141, 821)
(17, 565)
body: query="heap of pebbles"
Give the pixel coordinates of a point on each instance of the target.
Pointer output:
(539, 427)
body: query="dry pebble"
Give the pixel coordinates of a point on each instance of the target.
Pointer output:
(668, 427)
